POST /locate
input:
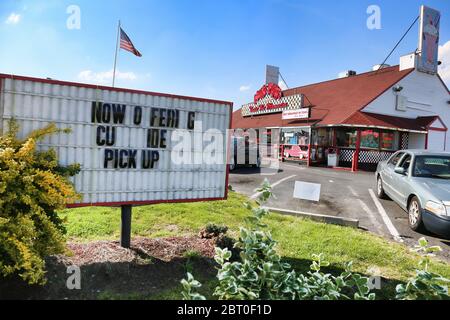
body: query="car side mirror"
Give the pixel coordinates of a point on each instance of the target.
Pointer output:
(400, 170)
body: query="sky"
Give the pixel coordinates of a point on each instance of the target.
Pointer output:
(208, 48)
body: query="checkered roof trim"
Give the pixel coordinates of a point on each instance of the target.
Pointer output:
(293, 102)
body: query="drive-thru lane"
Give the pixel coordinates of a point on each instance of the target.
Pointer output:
(343, 194)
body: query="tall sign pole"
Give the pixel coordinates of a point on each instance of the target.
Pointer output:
(115, 57)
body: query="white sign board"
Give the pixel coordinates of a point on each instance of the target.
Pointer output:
(307, 191)
(303, 113)
(134, 147)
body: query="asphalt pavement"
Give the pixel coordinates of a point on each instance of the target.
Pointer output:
(343, 194)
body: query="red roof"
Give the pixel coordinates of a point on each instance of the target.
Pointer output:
(333, 102)
(383, 121)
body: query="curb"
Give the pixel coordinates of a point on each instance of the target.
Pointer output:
(347, 222)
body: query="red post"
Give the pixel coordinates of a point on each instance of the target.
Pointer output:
(308, 162)
(309, 155)
(334, 137)
(356, 154)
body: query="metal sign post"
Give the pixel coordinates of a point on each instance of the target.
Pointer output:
(125, 231)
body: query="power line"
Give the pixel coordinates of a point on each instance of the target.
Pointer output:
(404, 35)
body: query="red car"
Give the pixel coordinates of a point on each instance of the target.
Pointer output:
(301, 152)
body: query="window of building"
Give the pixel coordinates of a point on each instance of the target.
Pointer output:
(321, 137)
(346, 138)
(295, 136)
(387, 141)
(370, 139)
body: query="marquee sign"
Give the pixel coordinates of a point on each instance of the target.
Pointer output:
(269, 99)
(134, 147)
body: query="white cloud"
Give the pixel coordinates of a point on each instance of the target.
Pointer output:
(105, 77)
(244, 88)
(444, 57)
(14, 18)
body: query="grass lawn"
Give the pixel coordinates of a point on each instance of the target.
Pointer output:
(298, 238)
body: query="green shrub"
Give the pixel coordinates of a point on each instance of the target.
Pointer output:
(32, 188)
(190, 285)
(213, 231)
(225, 242)
(425, 285)
(261, 274)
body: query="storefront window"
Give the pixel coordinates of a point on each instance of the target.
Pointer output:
(370, 139)
(346, 138)
(388, 140)
(295, 136)
(321, 137)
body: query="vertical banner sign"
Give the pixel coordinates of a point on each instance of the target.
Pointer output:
(272, 75)
(134, 147)
(428, 40)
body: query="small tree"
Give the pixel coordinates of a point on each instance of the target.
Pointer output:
(32, 187)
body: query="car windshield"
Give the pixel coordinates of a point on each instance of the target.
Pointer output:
(432, 167)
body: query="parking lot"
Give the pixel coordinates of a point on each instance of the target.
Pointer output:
(343, 194)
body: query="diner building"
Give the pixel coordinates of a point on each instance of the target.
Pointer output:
(356, 120)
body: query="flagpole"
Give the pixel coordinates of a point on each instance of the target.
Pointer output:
(115, 59)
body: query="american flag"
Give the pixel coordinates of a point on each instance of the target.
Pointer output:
(126, 44)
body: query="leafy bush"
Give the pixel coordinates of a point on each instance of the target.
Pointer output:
(225, 242)
(190, 285)
(32, 188)
(213, 231)
(261, 274)
(425, 285)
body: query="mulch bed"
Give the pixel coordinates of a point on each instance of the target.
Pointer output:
(148, 268)
(165, 249)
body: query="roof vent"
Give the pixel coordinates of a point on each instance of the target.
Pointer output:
(380, 66)
(346, 74)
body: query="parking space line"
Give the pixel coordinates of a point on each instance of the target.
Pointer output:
(385, 217)
(274, 185)
(353, 191)
(371, 215)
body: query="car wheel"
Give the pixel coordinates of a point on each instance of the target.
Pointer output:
(415, 215)
(380, 190)
(232, 164)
